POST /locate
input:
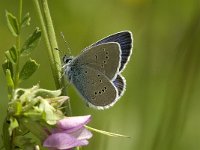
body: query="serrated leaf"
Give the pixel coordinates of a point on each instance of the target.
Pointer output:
(7, 65)
(26, 20)
(31, 42)
(11, 55)
(28, 69)
(13, 24)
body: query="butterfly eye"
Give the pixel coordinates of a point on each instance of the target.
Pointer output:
(66, 59)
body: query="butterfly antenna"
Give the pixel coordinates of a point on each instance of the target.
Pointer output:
(59, 51)
(67, 44)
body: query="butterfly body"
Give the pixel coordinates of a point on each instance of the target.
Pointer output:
(96, 72)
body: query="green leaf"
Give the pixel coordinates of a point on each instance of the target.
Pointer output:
(26, 20)
(28, 69)
(13, 24)
(31, 42)
(10, 83)
(11, 55)
(8, 65)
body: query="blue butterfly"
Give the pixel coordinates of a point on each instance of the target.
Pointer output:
(96, 72)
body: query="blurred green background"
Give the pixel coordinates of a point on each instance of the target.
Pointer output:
(160, 109)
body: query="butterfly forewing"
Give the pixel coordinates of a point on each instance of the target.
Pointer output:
(94, 87)
(104, 58)
(125, 40)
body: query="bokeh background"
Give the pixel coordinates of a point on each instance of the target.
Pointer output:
(160, 109)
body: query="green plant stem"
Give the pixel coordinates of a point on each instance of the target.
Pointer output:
(20, 11)
(37, 6)
(106, 133)
(16, 79)
(51, 42)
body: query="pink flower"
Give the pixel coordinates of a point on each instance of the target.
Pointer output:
(70, 132)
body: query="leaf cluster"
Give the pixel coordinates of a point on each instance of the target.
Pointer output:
(15, 74)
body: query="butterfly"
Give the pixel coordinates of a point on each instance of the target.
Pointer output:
(96, 72)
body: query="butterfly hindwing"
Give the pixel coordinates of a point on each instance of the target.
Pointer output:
(120, 84)
(94, 86)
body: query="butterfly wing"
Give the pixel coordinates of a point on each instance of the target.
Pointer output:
(104, 58)
(125, 40)
(120, 84)
(98, 91)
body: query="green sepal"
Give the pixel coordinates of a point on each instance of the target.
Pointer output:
(28, 69)
(26, 20)
(31, 42)
(7, 65)
(12, 23)
(11, 55)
